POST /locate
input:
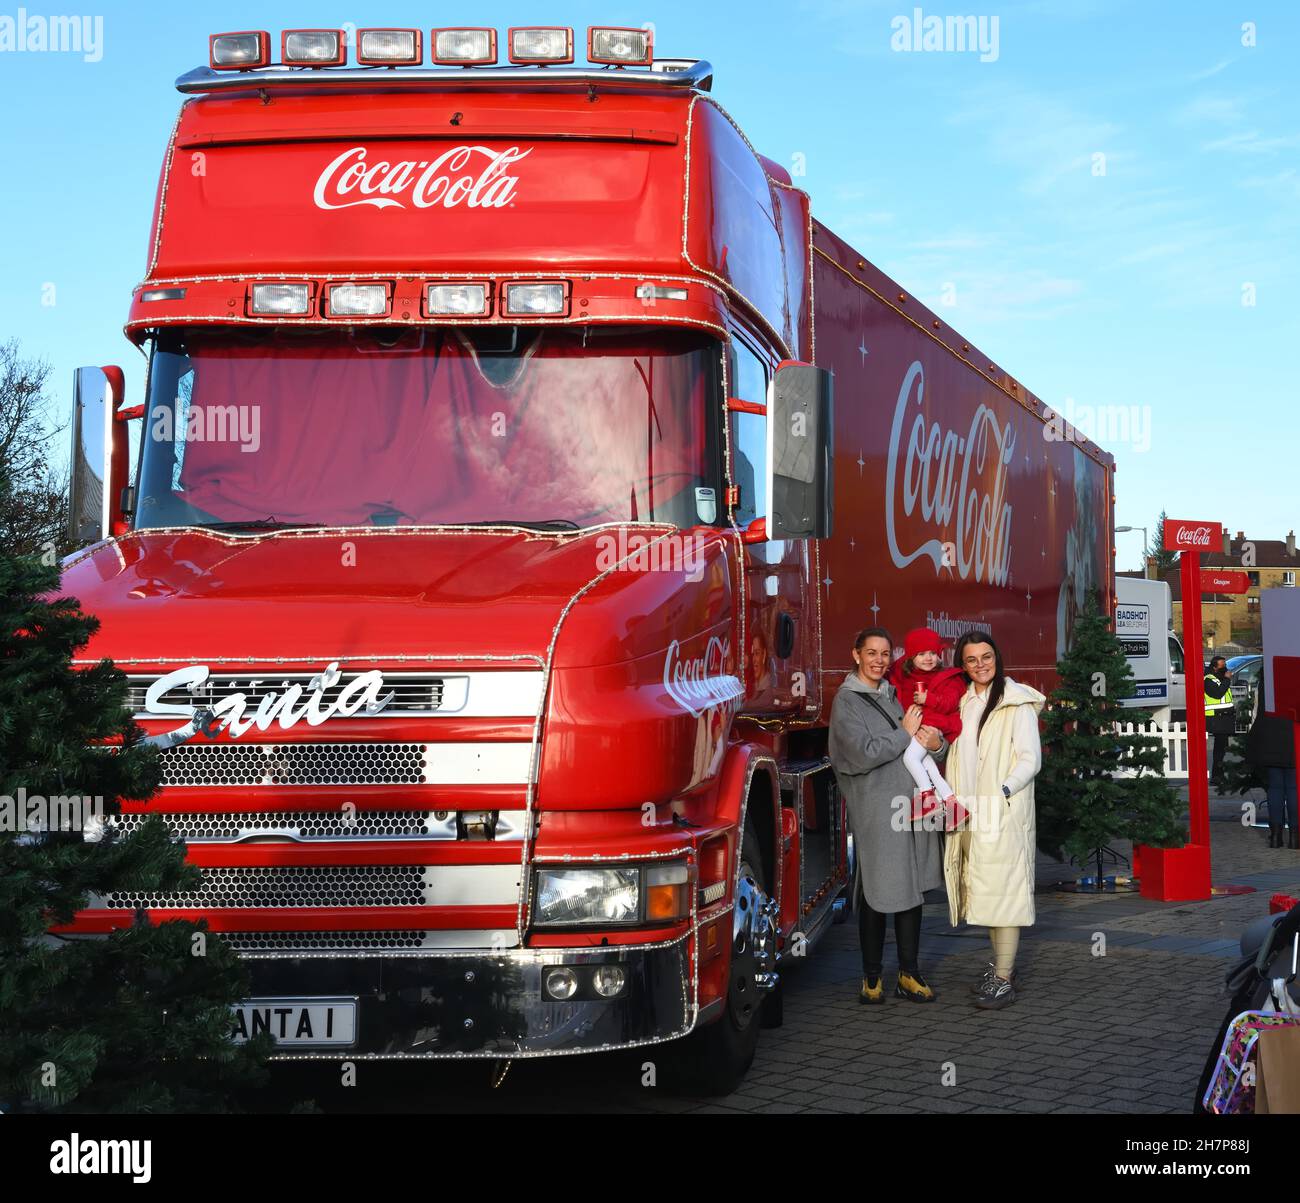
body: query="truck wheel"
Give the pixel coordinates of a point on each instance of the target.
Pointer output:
(713, 1060)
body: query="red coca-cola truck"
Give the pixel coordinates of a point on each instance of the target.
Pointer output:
(518, 458)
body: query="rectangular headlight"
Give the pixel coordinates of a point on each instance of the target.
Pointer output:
(239, 51)
(468, 300)
(587, 896)
(389, 47)
(541, 44)
(314, 47)
(285, 300)
(535, 300)
(464, 46)
(358, 300)
(608, 44)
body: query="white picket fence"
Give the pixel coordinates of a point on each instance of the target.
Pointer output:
(1174, 738)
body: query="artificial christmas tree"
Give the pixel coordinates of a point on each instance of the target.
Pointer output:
(140, 1020)
(1082, 805)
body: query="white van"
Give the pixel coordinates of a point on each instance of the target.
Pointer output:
(1143, 616)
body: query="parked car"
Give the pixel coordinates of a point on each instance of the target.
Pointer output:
(1245, 674)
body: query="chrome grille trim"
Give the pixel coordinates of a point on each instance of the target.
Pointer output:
(307, 826)
(276, 886)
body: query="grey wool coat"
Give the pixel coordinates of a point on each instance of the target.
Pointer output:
(894, 867)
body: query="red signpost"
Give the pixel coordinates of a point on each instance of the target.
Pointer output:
(1183, 874)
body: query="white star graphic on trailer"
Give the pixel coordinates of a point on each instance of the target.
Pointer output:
(1028, 598)
(861, 462)
(863, 348)
(853, 543)
(827, 582)
(875, 609)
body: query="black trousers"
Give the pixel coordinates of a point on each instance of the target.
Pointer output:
(871, 932)
(1220, 749)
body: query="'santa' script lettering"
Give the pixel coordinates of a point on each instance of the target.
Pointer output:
(475, 176)
(361, 694)
(952, 477)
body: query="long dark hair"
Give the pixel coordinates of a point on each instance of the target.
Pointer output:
(999, 685)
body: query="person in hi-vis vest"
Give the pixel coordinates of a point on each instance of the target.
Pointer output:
(1220, 713)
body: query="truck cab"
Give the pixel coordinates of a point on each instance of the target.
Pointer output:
(463, 575)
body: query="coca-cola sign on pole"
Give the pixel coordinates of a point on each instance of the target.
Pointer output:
(1184, 535)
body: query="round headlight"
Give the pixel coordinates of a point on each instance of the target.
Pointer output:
(608, 980)
(561, 983)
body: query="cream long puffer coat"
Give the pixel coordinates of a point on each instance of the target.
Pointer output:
(994, 885)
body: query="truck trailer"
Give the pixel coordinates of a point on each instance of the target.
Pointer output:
(518, 459)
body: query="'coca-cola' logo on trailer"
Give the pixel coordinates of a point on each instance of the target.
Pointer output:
(702, 682)
(1184, 535)
(475, 176)
(951, 476)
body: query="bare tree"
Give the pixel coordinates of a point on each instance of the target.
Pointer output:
(33, 502)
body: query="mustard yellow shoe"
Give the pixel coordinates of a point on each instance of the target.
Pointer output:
(872, 996)
(913, 987)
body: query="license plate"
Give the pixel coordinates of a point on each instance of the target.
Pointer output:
(296, 1021)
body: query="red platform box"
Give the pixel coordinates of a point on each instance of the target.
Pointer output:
(1173, 874)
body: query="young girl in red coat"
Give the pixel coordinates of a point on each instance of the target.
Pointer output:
(917, 678)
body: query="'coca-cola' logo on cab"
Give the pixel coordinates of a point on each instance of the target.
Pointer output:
(960, 482)
(475, 176)
(699, 683)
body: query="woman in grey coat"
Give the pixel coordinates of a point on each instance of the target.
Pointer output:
(896, 863)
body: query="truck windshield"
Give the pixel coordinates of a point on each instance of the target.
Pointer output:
(554, 426)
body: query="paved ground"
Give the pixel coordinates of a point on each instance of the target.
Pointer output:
(1127, 1031)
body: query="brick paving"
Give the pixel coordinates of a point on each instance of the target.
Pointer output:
(1127, 1031)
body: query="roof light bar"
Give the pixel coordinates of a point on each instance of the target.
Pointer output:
(390, 47)
(464, 47)
(239, 51)
(281, 300)
(460, 300)
(314, 47)
(624, 47)
(541, 44)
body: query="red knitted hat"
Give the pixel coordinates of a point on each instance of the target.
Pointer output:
(922, 639)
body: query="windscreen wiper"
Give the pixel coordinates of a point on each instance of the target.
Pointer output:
(544, 524)
(261, 524)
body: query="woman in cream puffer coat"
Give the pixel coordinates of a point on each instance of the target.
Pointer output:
(989, 862)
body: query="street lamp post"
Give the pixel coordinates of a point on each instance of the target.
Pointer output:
(1121, 530)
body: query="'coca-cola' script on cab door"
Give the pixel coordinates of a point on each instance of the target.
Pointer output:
(701, 682)
(475, 176)
(950, 475)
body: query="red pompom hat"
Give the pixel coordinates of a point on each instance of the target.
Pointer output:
(922, 639)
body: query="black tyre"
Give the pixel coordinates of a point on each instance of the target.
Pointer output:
(713, 1060)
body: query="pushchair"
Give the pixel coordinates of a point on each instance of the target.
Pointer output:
(1262, 988)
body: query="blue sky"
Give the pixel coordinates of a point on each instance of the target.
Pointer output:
(1153, 288)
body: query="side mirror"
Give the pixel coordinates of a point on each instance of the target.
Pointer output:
(800, 446)
(101, 449)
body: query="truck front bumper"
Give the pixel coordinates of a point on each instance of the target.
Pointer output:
(488, 1005)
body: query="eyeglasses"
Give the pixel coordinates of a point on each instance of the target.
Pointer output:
(975, 661)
